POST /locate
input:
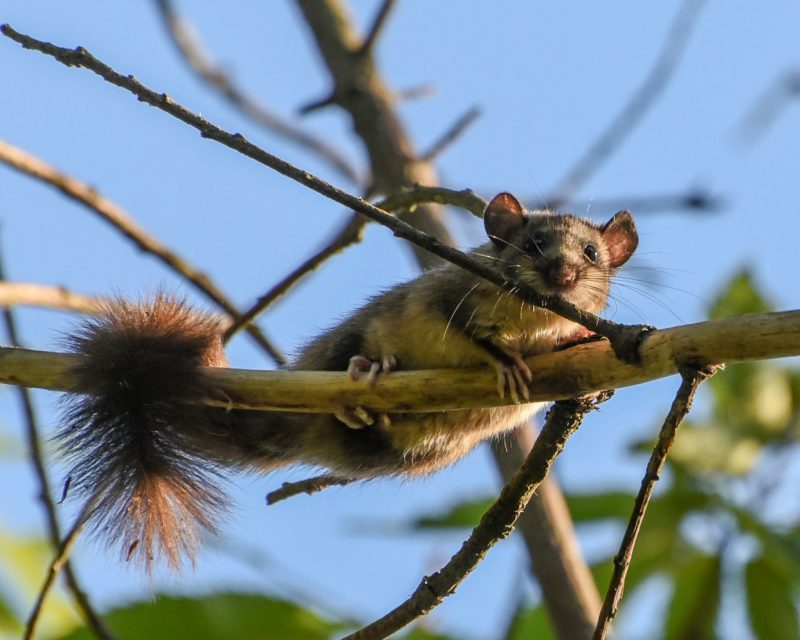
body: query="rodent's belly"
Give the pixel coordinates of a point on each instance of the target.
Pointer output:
(433, 440)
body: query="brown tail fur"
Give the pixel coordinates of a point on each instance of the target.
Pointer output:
(137, 440)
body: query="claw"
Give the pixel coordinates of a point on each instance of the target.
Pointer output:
(355, 417)
(360, 365)
(514, 377)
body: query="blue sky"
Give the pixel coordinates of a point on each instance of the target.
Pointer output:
(548, 78)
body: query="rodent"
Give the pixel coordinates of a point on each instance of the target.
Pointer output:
(150, 458)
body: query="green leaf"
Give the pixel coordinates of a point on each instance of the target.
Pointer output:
(424, 634)
(739, 297)
(769, 600)
(217, 617)
(695, 600)
(589, 507)
(462, 515)
(530, 623)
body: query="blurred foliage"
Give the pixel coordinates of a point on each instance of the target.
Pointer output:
(724, 526)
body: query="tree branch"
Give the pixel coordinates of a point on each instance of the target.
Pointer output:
(581, 369)
(496, 524)
(690, 380)
(123, 222)
(14, 294)
(308, 486)
(377, 25)
(189, 46)
(624, 338)
(451, 135)
(644, 97)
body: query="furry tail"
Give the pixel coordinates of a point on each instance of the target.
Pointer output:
(138, 443)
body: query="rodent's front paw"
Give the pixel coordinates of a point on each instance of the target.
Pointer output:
(514, 376)
(360, 418)
(360, 365)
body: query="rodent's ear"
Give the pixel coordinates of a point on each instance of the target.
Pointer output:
(504, 216)
(620, 237)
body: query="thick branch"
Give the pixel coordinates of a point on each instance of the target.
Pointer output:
(581, 369)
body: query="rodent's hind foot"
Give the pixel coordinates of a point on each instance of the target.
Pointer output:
(360, 418)
(514, 375)
(360, 365)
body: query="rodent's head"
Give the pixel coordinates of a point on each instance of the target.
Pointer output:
(560, 255)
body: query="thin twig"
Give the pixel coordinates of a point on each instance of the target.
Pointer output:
(377, 25)
(93, 619)
(351, 233)
(13, 294)
(123, 222)
(186, 40)
(644, 97)
(451, 135)
(61, 561)
(496, 524)
(308, 486)
(690, 380)
(624, 338)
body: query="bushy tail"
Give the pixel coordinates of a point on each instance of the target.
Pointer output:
(137, 439)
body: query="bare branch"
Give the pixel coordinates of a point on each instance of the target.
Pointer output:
(37, 295)
(495, 525)
(123, 222)
(93, 619)
(624, 338)
(308, 486)
(187, 41)
(766, 109)
(452, 134)
(697, 199)
(644, 97)
(61, 561)
(377, 25)
(568, 588)
(690, 380)
(351, 233)
(584, 368)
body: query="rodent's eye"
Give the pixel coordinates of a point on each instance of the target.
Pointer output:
(591, 253)
(535, 242)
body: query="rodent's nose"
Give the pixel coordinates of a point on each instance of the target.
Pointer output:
(561, 274)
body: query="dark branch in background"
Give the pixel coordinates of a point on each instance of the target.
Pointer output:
(351, 233)
(452, 134)
(690, 380)
(124, 223)
(188, 44)
(37, 458)
(645, 97)
(624, 338)
(761, 116)
(378, 24)
(698, 200)
(496, 524)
